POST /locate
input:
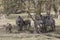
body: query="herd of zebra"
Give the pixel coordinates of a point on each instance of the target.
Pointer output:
(41, 24)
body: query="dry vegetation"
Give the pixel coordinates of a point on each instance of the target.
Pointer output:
(14, 7)
(27, 36)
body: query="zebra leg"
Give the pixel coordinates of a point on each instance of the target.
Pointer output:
(29, 25)
(53, 27)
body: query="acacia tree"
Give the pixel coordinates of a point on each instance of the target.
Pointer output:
(13, 6)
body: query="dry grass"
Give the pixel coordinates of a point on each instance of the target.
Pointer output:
(24, 36)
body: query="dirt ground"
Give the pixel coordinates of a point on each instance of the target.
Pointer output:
(23, 36)
(27, 36)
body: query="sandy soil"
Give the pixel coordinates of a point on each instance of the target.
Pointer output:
(25, 36)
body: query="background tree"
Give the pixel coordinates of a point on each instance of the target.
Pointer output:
(17, 6)
(13, 6)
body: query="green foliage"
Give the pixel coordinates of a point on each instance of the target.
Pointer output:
(12, 6)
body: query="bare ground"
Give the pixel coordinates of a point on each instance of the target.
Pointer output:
(26, 36)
